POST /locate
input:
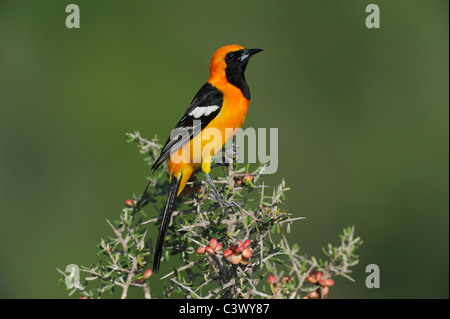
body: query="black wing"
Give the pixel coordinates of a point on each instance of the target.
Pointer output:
(205, 106)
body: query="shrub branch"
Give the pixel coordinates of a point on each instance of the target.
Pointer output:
(241, 254)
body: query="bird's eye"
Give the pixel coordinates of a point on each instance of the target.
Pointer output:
(230, 56)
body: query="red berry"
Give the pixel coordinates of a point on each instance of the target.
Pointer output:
(318, 276)
(232, 247)
(245, 261)
(271, 280)
(201, 250)
(148, 273)
(210, 250)
(329, 282)
(213, 243)
(311, 279)
(130, 202)
(247, 178)
(227, 253)
(83, 297)
(219, 247)
(236, 258)
(322, 282)
(313, 295)
(247, 253)
(246, 243)
(239, 250)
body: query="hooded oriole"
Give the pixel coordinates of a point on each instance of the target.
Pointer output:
(221, 104)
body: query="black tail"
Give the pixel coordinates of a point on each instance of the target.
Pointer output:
(170, 204)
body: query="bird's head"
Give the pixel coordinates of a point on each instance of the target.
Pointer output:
(229, 62)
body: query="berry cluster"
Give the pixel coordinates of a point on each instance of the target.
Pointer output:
(239, 253)
(246, 179)
(276, 283)
(323, 285)
(213, 247)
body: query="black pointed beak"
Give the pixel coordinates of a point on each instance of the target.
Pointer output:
(248, 53)
(253, 51)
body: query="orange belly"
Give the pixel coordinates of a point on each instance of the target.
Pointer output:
(212, 138)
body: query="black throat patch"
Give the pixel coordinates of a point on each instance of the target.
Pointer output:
(235, 73)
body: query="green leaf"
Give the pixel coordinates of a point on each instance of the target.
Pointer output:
(273, 228)
(269, 267)
(277, 260)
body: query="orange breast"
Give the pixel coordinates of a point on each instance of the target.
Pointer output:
(214, 136)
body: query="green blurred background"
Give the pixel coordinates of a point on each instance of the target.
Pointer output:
(362, 117)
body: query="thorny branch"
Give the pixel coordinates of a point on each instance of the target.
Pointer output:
(256, 222)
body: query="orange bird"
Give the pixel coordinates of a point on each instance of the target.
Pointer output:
(217, 111)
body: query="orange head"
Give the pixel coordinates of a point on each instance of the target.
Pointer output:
(228, 65)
